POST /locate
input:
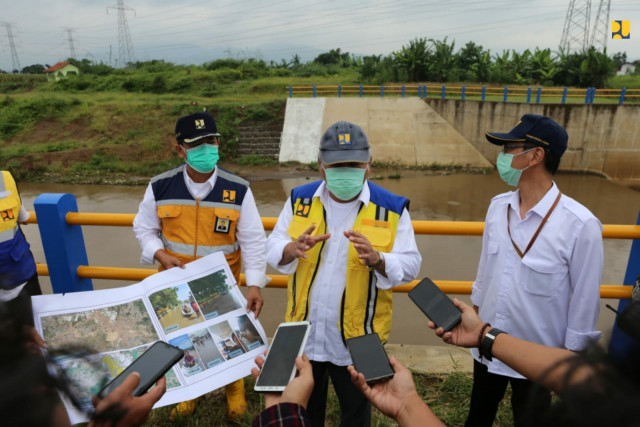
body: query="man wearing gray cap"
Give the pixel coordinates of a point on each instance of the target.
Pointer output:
(345, 242)
(540, 268)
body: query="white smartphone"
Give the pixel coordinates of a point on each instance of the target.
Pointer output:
(280, 365)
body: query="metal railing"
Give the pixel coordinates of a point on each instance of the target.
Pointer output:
(454, 228)
(529, 94)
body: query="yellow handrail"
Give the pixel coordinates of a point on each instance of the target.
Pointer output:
(460, 228)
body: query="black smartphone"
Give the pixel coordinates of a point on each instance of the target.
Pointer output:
(435, 304)
(151, 365)
(280, 365)
(370, 358)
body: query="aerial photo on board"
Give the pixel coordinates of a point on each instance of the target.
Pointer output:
(104, 329)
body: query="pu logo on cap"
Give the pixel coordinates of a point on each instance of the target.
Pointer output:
(344, 139)
(199, 124)
(229, 196)
(620, 29)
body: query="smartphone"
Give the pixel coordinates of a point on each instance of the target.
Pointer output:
(151, 365)
(370, 358)
(435, 304)
(280, 365)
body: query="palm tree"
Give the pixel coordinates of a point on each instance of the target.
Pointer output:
(414, 59)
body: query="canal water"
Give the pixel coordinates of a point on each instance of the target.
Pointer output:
(457, 197)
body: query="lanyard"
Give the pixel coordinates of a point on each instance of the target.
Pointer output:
(535, 236)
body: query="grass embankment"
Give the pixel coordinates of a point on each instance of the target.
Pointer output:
(446, 394)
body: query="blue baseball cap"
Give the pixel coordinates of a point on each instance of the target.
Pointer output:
(192, 128)
(537, 130)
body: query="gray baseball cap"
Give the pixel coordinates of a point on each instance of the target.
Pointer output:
(344, 142)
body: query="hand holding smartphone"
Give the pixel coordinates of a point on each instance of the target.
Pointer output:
(435, 304)
(369, 358)
(279, 367)
(152, 365)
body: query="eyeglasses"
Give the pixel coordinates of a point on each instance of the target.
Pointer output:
(511, 147)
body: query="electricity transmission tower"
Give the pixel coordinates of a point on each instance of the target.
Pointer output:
(125, 47)
(72, 49)
(12, 46)
(600, 35)
(575, 35)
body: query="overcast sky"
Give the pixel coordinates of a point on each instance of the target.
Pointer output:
(198, 31)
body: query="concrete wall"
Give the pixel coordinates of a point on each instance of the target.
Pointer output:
(603, 138)
(400, 130)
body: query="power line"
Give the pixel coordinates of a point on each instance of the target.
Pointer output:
(12, 46)
(125, 47)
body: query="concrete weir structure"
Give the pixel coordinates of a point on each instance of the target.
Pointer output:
(603, 138)
(401, 130)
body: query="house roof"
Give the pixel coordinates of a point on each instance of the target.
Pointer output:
(56, 67)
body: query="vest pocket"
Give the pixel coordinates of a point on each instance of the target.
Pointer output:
(299, 226)
(379, 237)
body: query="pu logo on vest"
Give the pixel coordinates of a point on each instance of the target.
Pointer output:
(222, 225)
(620, 29)
(303, 209)
(229, 196)
(7, 215)
(200, 124)
(344, 139)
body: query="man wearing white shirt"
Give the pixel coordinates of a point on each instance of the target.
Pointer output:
(197, 209)
(345, 242)
(540, 267)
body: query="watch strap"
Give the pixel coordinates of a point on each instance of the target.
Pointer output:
(487, 343)
(377, 264)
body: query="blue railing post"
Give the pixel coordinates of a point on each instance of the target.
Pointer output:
(290, 91)
(63, 244)
(314, 91)
(360, 91)
(564, 95)
(621, 343)
(339, 91)
(462, 94)
(529, 95)
(403, 91)
(419, 91)
(586, 96)
(539, 95)
(622, 94)
(381, 91)
(506, 94)
(484, 92)
(442, 91)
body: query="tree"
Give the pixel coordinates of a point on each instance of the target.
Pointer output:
(441, 66)
(165, 298)
(414, 59)
(595, 68)
(543, 66)
(33, 69)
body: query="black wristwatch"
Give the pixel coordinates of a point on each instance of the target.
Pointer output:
(377, 264)
(487, 343)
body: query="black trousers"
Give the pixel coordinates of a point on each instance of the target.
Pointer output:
(20, 306)
(355, 409)
(527, 398)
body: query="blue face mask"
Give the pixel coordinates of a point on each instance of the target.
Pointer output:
(508, 174)
(203, 158)
(345, 183)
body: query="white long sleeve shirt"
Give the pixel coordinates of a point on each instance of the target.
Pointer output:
(249, 233)
(402, 265)
(552, 295)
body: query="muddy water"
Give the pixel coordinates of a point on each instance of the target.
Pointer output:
(433, 197)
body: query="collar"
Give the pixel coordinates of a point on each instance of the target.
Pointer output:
(323, 193)
(542, 207)
(209, 182)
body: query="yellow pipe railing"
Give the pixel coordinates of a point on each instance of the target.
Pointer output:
(459, 228)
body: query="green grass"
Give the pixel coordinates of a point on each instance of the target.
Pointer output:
(446, 395)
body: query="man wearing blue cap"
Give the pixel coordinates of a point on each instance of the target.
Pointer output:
(197, 209)
(540, 267)
(345, 242)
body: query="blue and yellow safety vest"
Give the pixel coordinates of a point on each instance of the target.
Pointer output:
(16, 261)
(192, 228)
(364, 308)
